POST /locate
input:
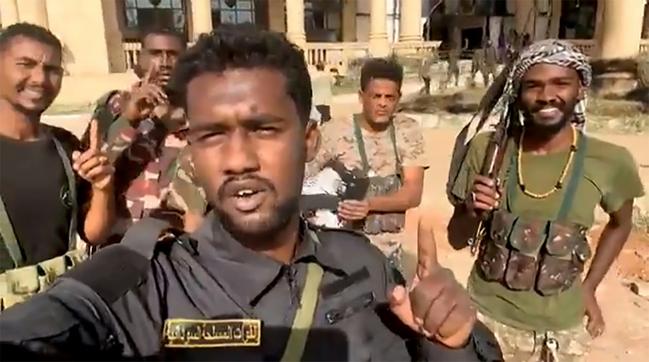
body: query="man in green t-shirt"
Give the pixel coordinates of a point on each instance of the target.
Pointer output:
(538, 208)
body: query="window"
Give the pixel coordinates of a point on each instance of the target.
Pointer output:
(323, 20)
(233, 12)
(143, 14)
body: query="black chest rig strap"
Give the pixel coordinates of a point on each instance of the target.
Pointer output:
(381, 185)
(526, 253)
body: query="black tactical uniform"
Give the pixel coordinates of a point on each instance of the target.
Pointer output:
(206, 297)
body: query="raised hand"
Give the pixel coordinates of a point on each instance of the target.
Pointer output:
(92, 165)
(145, 97)
(437, 307)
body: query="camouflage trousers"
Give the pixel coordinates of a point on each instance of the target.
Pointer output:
(570, 345)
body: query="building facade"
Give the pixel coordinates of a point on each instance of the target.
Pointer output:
(100, 36)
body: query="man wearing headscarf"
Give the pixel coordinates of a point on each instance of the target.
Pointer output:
(528, 222)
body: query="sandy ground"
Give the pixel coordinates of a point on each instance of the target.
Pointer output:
(626, 314)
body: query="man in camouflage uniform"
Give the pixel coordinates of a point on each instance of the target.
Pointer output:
(387, 148)
(453, 70)
(426, 68)
(144, 134)
(533, 215)
(484, 60)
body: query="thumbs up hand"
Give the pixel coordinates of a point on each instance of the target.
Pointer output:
(437, 307)
(92, 165)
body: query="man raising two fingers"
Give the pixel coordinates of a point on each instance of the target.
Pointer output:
(42, 200)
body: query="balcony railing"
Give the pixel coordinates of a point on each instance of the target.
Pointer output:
(339, 54)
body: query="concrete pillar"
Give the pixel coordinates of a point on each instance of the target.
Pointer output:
(91, 44)
(8, 12)
(295, 22)
(276, 16)
(645, 26)
(410, 21)
(555, 19)
(201, 18)
(349, 20)
(379, 46)
(525, 16)
(34, 11)
(621, 28)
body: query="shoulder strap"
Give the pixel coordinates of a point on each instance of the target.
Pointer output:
(144, 235)
(358, 134)
(72, 189)
(9, 237)
(304, 315)
(393, 138)
(511, 178)
(575, 177)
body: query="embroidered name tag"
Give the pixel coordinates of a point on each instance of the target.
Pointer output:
(197, 333)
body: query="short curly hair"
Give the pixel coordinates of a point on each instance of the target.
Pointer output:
(381, 68)
(30, 31)
(244, 46)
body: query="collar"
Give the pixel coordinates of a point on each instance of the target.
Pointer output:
(228, 260)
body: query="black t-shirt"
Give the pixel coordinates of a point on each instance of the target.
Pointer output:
(33, 186)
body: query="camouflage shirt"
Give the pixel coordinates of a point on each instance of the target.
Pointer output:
(144, 159)
(338, 142)
(184, 192)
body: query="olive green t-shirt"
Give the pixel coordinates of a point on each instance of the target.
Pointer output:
(610, 178)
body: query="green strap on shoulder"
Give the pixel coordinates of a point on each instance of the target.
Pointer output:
(358, 134)
(9, 238)
(575, 177)
(304, 316)
(72, 189)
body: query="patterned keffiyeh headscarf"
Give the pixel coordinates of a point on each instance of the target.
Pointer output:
(550, 51)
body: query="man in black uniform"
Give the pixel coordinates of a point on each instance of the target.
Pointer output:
(253, 282)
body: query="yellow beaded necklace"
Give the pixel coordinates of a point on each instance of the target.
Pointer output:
(564, 172)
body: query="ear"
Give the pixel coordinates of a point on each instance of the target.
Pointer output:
(312, 138)
(582, 93)
(360, 95)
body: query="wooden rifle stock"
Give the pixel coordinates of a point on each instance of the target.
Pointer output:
(491, 164)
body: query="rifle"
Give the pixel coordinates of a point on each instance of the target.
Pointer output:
(491, 165)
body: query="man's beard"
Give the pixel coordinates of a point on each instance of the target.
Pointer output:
(548, 130)
(257, 231)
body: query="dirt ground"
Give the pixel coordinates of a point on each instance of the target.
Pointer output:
(626, 314)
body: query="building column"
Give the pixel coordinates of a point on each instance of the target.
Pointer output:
(33, 11)
(555, 18)
(349, 20)
(201, 18)
(525, 16)
(91, 44)
(8, 12)
(621, 28)
(295, 22)
(276, 16)
(379, 46)
(645, 26)
(410, 21)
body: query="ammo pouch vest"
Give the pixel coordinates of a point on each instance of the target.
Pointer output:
(381, 185)
(527, 253)
(18, 284)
